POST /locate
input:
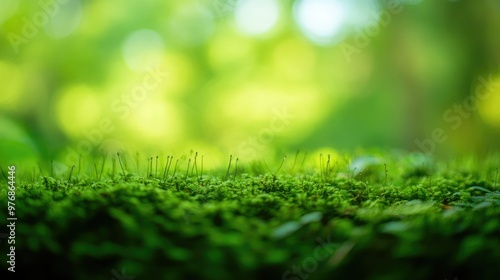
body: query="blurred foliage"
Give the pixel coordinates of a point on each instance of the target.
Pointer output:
(245, 77)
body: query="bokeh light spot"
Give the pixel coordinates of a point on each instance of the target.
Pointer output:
(320, 20)
(256, 17)
(11, 84)
(261, 101)
(78, 109)
(488, 107)
(155, 120)
(143, 49)
(192, 24)
(65, 17)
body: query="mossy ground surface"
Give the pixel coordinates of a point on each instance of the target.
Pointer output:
(387, 218)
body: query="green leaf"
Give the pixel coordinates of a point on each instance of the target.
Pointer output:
(286, 229)
(15, 144)
(311, 217)
(479, 189)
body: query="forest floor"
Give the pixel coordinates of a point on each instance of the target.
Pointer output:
(375, 217)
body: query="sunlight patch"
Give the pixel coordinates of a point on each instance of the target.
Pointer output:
(320, 20)
(11, 84)
(488, 108)
(256, 17)
(155, 120)
(78, 109)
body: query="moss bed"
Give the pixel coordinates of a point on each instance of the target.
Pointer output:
(374, 217)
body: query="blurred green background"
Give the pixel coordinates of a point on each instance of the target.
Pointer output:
(248, 78)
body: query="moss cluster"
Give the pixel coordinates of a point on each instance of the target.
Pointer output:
(389, 219)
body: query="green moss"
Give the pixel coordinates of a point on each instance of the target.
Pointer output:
(396, 223)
